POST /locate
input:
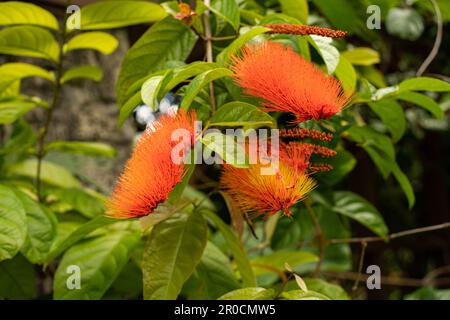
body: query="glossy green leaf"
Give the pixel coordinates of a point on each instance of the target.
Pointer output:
(302, 295)
(238, 113)
(77, 234)
(249, 294)
(13, 224)
(423, 101)
(41, 233)
(227, 10)
(128, 108)
(51, 173)
(100, 41)
(117, 14)
(357, 208)
(186, 72)
(93, 149)
(16, 71)
(424, 84)
(167, 40)
(392, 115)
(229, 148)
(17, 279)
(346, 74)
(151, 88)
(331, 290)
(83, 72)
(295, 8)
(17, 12)
(428, 293)
(327, 51)
(225, 56)
(362, 56)
(29, 41)
(213, 276)
(404, 23)
(236, 248)
(89, 205)
(11, 110)
(171, 254)
(199, 82)
(263, 264)
(100, 260)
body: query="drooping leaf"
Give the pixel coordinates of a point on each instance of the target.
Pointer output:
(167, 40)
(100, 41)
(17, 12)
(171, 254)
(423, 101)
(29, 41)
(392, 115)
(84, 72)
(13, 224)
(424, 84)
(16, 71)
(117, 14)
(151, 88)
(230, 148)
(346, 74)
(331, 290)
(327, 51)
(93, 149)
(11, 110)
(100, 260)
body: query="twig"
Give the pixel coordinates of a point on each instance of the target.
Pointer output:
(392, 236)
(361, 264)
(56, 96)
(209, 50)
(319, 236)
(437, 41)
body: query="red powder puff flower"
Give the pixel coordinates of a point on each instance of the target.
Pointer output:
(258, 194)
(287, 82)
(302, 30)
(151, 174)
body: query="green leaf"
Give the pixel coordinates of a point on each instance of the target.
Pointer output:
(392, 115)
(11, 110)
(249, 294)
(16, 12)
(213, 276)
(404, 23)
(89, 205)
(167, 40)
(238, 113)
(199, 82)
(428, 293)
(17, 279)
(327, 51)
(357, 208)
(100, 260)
(422, 101)
(15, 71)
(41, 234)
(295, 8)
(362, 56)
(93, 149)
(78, 234)
(29, 41)
(86, 72)
(128, 108)
(100, 41)
(51, 173)
(236, 248)
(227, 10)
(404, 183)
(117, 14)
(343, 163)
(424, 84)
(346, 74)
(151, 88)
(278, 259)
(13, 224)
(225, 56)
(302, 295)
(228, 147)
(332, 291)
(171, 254)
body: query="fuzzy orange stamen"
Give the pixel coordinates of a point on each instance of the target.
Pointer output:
(287, 82)
(150, 175)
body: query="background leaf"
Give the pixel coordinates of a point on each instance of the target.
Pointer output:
(100, 41)
(16, 13)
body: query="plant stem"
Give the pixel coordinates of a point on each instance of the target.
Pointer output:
(209, 51)
(319, 235)
(361, 264)
(40, 154)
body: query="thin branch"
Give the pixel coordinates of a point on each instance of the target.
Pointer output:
(319, 235)
(437, 41)
(40, 154)
(361, 264)
(392, 236)
(209, 51)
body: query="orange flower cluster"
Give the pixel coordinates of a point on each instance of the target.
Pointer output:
(150, 175)
(287, 82)
(303, 30)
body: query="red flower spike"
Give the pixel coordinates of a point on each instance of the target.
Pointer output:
(287, 82)
(302, 30)
(305, 133)
(150, 174)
